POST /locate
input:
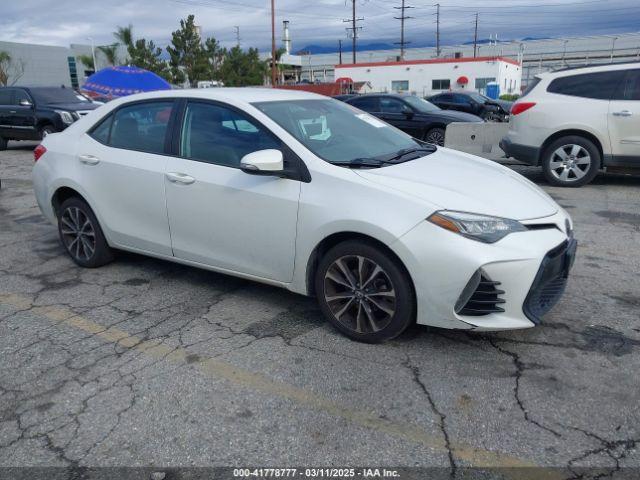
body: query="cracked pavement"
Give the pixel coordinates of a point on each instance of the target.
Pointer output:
(148, 363)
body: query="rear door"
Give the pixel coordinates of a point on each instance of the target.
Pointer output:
(624, 120)
(121, 164)
(6, 104)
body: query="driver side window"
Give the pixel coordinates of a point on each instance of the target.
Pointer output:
(393, 105)
(216, 134)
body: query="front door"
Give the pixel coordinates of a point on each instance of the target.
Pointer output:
(219, 215)
(624, 120)
(400, 115)
(24, 116)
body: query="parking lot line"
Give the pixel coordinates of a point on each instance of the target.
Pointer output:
(473, 456)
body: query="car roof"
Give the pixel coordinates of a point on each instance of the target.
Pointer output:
(568, 71)
(243, 94)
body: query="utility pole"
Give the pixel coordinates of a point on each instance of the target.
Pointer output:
(237, 29)
(273, 44)
(339, 52)
(402, 18)
(437, 29)
(475, 39)
(353, 29)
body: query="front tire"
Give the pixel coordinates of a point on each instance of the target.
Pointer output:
(571, 161)
(81, 235)
(435, 136)
(46, 130)
(364, 292)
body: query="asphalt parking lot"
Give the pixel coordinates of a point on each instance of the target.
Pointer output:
(147, 363)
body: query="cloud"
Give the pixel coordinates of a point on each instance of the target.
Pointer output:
(68, 21)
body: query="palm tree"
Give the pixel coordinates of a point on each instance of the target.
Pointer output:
(110, 52)
(124, 35)
(87, 61)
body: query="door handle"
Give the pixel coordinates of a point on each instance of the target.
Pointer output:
(622, 113)
(89, 159)
(182, 178)
(13, 111)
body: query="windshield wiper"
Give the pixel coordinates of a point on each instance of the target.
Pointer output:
(407, 151)
(365, 162)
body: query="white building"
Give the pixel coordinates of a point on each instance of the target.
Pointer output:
(428, 77)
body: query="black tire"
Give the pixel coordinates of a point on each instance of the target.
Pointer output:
(46, 130)
(378, 309)
(75, 215)
(571, 171)
(3, 144)
(435, 136)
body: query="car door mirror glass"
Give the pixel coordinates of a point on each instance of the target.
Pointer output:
(25, 103)
(263, 162)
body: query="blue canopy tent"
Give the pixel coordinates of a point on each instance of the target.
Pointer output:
(114, 82)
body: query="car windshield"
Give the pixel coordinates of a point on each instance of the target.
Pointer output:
(53, 95)
(342, 134)
(478, 98)
(420, 104)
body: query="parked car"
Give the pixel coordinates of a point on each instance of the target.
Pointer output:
(31, 113)
(574, 122)
(475, 103)
(305, 192)
(411, 114)
(345, 96)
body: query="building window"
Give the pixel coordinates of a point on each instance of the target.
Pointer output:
(400, 85)
(481, 83)
(73, 75)
(443, 84)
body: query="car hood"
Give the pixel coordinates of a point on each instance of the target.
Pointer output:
(72, 107)
(454, 180)
(454, 116)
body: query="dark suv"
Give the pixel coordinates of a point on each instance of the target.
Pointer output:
(475, 103)
(30, 113)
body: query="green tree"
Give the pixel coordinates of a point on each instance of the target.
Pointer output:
(124, 35)
(241, 68)
(189, 58)
(87, 61)
(110, 52)
(142, 53)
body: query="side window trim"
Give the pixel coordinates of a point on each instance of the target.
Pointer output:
(298, 170)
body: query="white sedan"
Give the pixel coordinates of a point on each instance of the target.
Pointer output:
(304, 192)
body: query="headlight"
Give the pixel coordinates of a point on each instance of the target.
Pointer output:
(482, 228)
(66, 117)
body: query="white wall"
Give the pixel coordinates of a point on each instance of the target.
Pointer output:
(421, 75)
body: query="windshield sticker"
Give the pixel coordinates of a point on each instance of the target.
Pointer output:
(371, 120)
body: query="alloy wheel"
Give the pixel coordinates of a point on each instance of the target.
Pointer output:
(78, 234)
(359, 294)
(435, 137)
(570, 163)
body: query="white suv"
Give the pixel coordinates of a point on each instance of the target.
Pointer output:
(574, 122)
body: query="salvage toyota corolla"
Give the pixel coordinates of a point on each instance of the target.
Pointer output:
(304, 192)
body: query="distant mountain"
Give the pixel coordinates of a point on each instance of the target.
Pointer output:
(316, 49)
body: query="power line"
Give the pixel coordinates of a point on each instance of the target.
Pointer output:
(402, 18)
(353, 28)
(475, 39)
(437, 29)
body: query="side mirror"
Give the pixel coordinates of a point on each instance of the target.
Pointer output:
(263, 162)
(25, 103)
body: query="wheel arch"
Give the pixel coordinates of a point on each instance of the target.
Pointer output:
(571, 132)
(334, 239)
(64, 193)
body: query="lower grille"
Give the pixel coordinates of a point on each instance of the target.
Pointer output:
(550, 281)
(485, 297)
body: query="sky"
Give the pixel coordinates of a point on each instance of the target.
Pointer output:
(316, 22)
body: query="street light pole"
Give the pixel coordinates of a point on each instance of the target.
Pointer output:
(273, 44)
(93, 54)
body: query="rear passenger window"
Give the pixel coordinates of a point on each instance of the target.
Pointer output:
(368, 104)
(141, 127)
(630, 87)
(101, 132)
(601, 85)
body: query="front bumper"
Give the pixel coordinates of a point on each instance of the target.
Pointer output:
(523, 153)
(441, 264)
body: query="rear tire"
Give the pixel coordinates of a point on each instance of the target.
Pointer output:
(435, 136)
(571, 161)
(81, 235)
(3, 144)
(46, 130)
(364, 292)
